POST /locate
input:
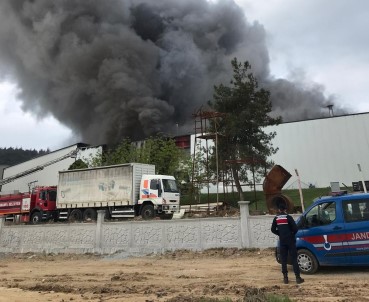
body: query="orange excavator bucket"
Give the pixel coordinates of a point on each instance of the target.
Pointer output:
(272, 187)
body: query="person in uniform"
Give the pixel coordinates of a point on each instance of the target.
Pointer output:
(285, 227)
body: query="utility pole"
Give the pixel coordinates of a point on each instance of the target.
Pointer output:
(300, 190)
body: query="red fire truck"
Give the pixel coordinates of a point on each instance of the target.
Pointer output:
(38, 200)
(42, 201)
(123, 191)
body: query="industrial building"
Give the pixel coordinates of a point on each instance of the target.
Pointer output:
(323, 151)
(43, 170)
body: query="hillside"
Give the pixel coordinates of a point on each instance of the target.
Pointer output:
(12, 156)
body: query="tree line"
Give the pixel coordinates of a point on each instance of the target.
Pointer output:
(13, 156)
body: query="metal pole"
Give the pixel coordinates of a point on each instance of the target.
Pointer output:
(300, 190)
(216, 159)
(362, 177)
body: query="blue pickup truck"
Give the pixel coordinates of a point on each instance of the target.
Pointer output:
(333, 231)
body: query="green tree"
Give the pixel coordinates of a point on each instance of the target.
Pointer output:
(159, 151)
(78, 164)
(125, 152)
(241, 140)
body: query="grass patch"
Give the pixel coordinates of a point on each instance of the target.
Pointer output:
(277, 298)
(257, 198)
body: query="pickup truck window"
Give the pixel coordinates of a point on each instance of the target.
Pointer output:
(321, 214)
(356, 210)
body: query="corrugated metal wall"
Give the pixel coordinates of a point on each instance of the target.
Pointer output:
(324, 150)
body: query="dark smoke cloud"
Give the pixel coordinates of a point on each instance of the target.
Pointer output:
(117, 68)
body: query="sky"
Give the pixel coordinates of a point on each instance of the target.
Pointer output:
(314, 41)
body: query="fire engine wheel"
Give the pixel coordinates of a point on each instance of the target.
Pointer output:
(307, 262)
(75, 216)
(148, 212)
(36, 218)
(89, 215)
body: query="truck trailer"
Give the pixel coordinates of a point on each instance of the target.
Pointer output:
(123, 191)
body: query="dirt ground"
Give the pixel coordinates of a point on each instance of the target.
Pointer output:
(181, 276)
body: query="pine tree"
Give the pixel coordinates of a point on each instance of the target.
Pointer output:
(242, 145)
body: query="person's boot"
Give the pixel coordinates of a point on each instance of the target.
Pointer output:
(285, 278)
(299, 280)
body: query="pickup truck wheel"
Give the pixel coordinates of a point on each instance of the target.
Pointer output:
(148, 212)
(36, 218)
(75, 216)
(89, 215)
(307, 262)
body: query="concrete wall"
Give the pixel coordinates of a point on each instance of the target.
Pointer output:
(140, 237)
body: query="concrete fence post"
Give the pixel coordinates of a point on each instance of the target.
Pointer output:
(2, 222)
(98, 234)
(245, 229)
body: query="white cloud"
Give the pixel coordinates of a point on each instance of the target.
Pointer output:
(326, 39)
(21, 129)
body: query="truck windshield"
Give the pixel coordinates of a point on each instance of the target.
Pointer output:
(170, 185)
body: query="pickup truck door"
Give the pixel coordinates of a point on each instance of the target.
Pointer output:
(324, 234)
(356, 216)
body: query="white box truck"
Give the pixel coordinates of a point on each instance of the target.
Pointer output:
(124, 190)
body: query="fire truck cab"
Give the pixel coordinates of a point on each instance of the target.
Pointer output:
(33, 207)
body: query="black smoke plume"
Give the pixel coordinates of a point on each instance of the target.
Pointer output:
(132, 68)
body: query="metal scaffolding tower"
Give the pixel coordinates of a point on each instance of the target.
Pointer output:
(203, 120)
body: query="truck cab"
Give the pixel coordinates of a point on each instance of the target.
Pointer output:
(42, 205)
(334, 231)
(159, 195)
(33, 207)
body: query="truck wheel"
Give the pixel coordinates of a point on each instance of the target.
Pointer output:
(307, 262)
(148, 212)
(89, 215)
(75, 216)
(36, 218)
